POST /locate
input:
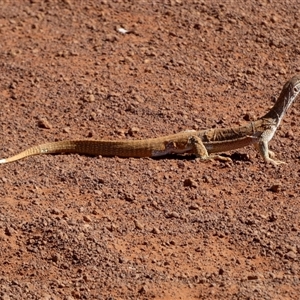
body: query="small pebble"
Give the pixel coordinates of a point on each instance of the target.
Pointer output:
(43, 123)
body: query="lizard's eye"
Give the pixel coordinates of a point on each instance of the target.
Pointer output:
(295, 89)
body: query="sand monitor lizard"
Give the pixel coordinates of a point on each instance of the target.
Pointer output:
(204, 143)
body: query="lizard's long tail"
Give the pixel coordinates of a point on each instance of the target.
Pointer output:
(122, 148)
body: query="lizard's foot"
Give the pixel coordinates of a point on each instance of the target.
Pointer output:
(215, 157)
(271, 159)
(275, 162)
(221, 158)
(268, 155)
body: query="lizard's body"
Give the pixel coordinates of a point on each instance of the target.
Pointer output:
(204, 143)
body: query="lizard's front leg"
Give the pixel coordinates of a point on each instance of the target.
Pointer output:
(200, 151)
(268, 155)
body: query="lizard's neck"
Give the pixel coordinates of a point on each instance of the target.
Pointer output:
(280, 107)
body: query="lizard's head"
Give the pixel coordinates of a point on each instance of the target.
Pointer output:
(290, 91)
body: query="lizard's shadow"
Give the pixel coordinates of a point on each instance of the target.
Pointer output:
(188, 157)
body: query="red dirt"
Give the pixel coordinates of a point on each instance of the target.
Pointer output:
(77, 227)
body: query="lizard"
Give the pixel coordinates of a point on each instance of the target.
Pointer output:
(205, 144)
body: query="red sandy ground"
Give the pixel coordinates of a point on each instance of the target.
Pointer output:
(78, 227)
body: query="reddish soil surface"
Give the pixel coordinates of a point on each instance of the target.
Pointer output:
(79, 227)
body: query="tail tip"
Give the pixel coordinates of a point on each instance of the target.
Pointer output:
(3, 161)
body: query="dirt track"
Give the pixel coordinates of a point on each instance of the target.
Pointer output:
(77, 227)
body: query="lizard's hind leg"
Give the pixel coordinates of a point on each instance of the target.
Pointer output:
(200, 151)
